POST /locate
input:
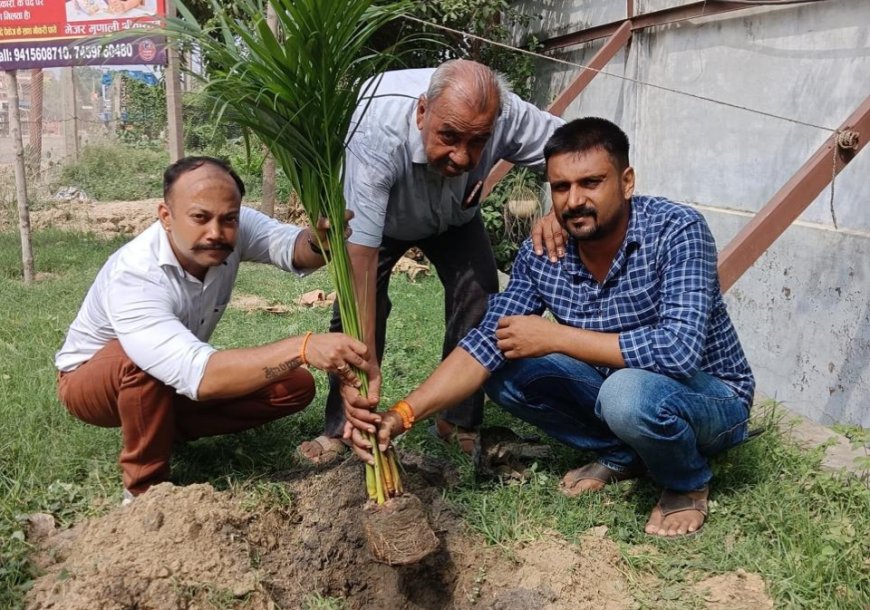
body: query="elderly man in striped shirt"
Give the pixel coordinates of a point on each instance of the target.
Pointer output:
(420, 146)
(641, 366)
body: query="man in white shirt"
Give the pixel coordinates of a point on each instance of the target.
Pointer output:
(137, 356)
(423, 141)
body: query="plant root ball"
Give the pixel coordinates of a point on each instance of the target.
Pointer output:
(398, 532)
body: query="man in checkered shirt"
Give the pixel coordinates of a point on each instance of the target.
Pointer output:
(641, 366)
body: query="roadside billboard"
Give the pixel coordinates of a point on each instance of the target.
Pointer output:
(55, 33)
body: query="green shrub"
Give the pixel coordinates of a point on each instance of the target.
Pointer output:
(143, 121)
(116, 172)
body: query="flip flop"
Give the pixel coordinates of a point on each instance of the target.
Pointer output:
(596, 471)
(465, 438)
(672, 502)
(330, 450)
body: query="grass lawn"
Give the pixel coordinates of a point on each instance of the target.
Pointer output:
(773, 512)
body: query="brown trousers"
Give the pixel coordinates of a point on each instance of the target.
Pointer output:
(109, 390)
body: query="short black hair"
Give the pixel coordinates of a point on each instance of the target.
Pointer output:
(188, 164)
(582, 135)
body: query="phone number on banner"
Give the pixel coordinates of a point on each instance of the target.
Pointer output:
(73, 53)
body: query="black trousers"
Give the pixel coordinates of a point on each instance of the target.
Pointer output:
(463, 258)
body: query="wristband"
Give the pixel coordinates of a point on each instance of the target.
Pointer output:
(304, 346)
(405, 412)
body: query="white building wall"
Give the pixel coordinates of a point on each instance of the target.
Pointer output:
(802, 311)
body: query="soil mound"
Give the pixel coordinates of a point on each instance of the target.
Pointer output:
(194, 547)
(108, 219)
(173, 547)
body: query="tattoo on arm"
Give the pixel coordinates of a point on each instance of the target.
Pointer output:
(274, 372)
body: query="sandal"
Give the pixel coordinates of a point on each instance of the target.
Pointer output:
(328, 450)
(672, 502)
(594, 471)
(465, 438)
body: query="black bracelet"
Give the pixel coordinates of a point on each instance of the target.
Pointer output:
(314, 247)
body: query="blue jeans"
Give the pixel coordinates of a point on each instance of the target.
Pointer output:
(631, 419)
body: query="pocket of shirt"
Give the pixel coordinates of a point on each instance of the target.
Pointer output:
(633, 308)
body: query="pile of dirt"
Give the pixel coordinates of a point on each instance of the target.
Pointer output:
(108, 219)
(173, 548)
(193, 547)
(738, 589)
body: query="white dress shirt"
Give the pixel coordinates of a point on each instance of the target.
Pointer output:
(162, 315)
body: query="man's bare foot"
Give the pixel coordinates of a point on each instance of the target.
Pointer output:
(321, 450)
(591, 477)
(678, 514)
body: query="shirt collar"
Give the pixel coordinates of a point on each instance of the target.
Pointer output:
(166, 258)
(634, 234)
(633, 240)
(415, 139)
(165, 255)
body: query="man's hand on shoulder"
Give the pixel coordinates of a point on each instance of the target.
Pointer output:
(548, 237)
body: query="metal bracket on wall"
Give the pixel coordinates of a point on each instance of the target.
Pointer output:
(618, 34)
(794, 197)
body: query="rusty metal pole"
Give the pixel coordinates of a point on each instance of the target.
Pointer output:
(610, 48)
(20, 177)
(175, 131)
(794, 197)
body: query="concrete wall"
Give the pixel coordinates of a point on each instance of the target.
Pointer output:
(802, 311)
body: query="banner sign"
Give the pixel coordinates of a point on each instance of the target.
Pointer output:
(53, 33)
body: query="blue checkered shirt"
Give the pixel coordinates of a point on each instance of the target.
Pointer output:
(661, 295)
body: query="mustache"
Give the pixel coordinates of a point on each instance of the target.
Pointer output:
(455, 167)
(221, 246)
(581, 212)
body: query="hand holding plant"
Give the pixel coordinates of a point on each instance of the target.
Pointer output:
(364, 427)
(339, 354)
(320, 235)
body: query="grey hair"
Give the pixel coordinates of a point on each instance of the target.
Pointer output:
(483, 81)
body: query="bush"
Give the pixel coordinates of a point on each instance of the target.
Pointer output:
(507, 234)
(250, 169)
(143, 120)
(109, 172)
(202, 131)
